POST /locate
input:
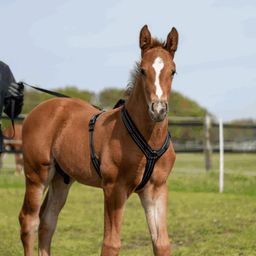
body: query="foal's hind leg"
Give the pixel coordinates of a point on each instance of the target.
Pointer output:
(29, 215)
(54, 201)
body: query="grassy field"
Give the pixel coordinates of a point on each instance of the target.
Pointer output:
(200, 220)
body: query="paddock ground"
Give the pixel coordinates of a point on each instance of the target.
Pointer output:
(201, 221)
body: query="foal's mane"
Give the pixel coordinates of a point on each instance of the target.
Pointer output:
(135, 72)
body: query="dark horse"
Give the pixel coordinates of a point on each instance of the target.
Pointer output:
(56, 144)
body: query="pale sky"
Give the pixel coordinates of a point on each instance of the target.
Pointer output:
(94, 44)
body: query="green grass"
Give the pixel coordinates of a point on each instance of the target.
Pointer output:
(240, 174)
(200, 220)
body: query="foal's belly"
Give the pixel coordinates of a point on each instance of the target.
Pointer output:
(73, 156)
(79, 169)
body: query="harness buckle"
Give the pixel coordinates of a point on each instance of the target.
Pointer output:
(153, 155)
(92, 123)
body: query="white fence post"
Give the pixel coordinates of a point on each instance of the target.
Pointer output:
(221, 145)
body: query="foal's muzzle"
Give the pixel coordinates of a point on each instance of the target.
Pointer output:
(158, 110)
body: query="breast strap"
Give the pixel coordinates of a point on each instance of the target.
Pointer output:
(151, 155)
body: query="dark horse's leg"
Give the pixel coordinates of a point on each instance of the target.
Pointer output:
(52, 205)
(36, 181)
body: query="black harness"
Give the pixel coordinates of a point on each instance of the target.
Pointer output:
(95, 160)
(151, 154)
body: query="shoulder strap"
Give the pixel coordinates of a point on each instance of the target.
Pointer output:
(95, 161)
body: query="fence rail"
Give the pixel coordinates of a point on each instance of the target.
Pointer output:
(205, 143)
(200, 121)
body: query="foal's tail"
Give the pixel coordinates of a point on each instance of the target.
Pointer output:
(66, 178)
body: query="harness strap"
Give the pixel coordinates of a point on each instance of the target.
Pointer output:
(139, 139)
(151, 154)
(95, 160)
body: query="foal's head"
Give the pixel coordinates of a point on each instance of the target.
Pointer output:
(157, 70)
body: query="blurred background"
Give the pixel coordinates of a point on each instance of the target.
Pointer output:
(88, 49)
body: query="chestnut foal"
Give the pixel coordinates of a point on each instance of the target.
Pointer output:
(56, 146)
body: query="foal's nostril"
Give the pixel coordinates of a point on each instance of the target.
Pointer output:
(158, 110)
(159, 107)
(162, 111)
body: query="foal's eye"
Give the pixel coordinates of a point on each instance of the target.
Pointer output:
(173, 72)
(142, 71)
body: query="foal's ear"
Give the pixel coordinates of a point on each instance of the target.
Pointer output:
(145, 38)
(172, 41)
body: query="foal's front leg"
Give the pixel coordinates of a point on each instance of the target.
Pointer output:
(114, 200)
(154, 201)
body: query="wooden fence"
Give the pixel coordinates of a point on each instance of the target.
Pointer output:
(207, 124)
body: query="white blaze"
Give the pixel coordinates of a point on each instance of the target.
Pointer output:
(158, 65)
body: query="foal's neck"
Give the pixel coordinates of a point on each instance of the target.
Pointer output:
(154, 132)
